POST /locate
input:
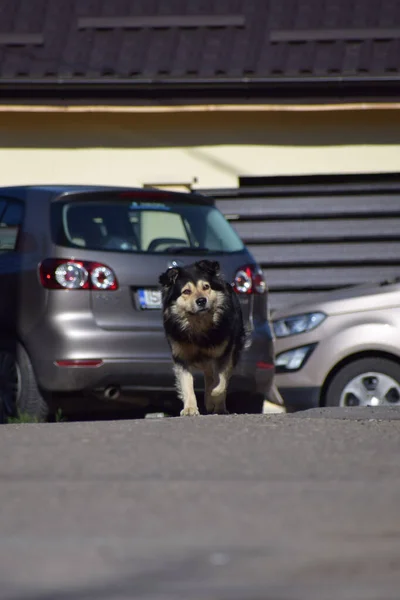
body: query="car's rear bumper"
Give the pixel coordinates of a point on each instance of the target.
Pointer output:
(135, 360)
(142, 376)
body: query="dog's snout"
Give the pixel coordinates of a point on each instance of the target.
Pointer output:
(201, 302)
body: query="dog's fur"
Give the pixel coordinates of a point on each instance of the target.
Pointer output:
(204, 327)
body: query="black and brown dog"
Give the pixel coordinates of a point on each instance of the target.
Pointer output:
(204, 328)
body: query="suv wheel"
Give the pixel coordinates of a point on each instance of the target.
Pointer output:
(365, 382)
(19, 393)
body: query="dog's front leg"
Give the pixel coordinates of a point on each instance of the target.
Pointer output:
(185, 389)
(218, 393)
(209, 400)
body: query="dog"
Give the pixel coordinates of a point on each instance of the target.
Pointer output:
(203, 324)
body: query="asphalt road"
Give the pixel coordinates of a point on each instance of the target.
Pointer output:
(281, 507)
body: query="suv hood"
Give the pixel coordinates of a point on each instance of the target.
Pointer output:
(358, 298)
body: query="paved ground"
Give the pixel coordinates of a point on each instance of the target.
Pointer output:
(279, 507)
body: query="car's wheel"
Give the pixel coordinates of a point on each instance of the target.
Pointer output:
(19, 392)
(243, 403)
(365, 382)
(3, 417)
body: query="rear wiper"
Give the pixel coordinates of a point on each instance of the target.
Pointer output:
(186, 250)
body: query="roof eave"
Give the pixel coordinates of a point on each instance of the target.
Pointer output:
(196, 82)
(195, 90)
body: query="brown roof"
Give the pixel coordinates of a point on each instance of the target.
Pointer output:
(214, 48)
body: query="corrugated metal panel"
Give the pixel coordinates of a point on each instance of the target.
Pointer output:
(313, 237)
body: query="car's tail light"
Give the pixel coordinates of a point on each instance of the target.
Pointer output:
(249, 280)
(65, 274)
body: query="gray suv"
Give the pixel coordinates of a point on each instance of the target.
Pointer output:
(80, 307)
(341, 349)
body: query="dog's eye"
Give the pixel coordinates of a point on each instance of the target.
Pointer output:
(206, 286)
(187, 292)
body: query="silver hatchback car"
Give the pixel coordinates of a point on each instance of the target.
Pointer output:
(80, 308)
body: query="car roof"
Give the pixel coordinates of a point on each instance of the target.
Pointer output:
(51, 192)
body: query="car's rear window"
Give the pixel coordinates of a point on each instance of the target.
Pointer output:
(143, 226)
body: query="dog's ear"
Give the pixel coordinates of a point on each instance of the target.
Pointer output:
(169, 277)
(209, 266)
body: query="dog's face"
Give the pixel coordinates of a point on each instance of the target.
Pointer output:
(194, 290)
(196, 297)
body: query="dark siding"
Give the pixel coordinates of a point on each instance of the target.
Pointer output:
(312, 238)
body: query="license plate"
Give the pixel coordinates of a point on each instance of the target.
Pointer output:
(149, 299)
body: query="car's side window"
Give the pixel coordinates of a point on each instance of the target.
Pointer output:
(11, 215)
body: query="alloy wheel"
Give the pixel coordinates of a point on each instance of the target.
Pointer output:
(371, 389)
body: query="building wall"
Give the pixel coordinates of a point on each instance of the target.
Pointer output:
(310, 238)
(211, 148)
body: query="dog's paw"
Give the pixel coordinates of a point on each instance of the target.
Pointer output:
(220, 410)
(217, 411)
(190, 411)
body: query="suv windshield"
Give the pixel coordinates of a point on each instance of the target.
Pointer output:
(143, 226)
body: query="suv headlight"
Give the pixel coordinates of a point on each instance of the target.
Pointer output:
(297, 324)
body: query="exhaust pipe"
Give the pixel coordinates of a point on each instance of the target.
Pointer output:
(112, 392)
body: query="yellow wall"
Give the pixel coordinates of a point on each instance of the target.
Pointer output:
(215, 148)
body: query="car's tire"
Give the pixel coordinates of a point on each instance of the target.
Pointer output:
(351, 378)
(19, 391)
(243, 403)
(3, 417)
